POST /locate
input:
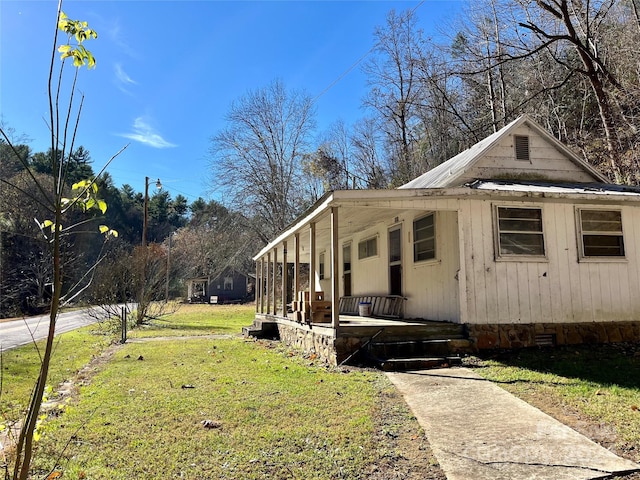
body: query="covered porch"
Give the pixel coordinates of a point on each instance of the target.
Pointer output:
(310, 279)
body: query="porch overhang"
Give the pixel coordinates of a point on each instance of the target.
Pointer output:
(340, 214)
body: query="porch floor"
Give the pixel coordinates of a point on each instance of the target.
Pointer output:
(362, 327)
(386, 340)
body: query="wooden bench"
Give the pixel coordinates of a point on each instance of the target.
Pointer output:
(386, 306)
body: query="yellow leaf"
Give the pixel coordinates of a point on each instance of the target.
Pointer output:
(102, 205)
(54, 475)
(104, 228)
(79, 185)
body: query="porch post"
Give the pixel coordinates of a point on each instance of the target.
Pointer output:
(275, 281)
(335, 286)
(312, 258)
(269, 282)
(284, 279)
(296, 266)
(261, 284)
(255, 287)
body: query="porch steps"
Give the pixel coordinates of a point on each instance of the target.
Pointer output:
(404, 364)
(440, 346)
(261, 329)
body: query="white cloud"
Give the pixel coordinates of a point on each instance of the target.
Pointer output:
(146, 134)
(123, 77)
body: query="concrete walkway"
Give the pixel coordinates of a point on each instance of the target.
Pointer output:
(479, 431)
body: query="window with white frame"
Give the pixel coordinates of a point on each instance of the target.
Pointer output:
(600, 233)
(368, 248)
(424, 238)
(519, 232)
(321, 266)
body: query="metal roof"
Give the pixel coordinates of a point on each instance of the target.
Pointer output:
(446, 174)
(564, 188)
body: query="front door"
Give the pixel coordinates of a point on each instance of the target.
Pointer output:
(346, 269)
(395, 261)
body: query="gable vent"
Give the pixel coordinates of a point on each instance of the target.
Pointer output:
(522, 147)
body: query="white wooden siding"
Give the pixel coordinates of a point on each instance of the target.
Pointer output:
(370, 276)
(546, 162)
(431, 287)
(558, 288)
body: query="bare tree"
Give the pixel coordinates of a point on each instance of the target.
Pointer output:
(396, 91)
(370, 170)
(257, 158)
(578, 26)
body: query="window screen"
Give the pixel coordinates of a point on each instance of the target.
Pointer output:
(520, 231)
(368, 248)
(424, 238)
(601, 233)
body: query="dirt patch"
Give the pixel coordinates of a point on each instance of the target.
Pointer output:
(406, 453)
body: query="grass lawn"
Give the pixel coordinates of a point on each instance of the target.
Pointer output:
(595, 389)
(20, 367)
(198, 319)
(229, 408)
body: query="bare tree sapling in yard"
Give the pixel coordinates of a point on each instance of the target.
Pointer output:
(57, 203)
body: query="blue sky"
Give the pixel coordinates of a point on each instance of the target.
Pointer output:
(167, 72)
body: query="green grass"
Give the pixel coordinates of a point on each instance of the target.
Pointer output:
(601, 383)
(276, 414)
(199, 319)
(279, 416)
(20, 367)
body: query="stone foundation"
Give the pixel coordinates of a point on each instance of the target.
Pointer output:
(328, 349)
(309, 342)
(507, 336)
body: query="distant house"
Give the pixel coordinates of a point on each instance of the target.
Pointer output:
(229, 286)
(517, 240)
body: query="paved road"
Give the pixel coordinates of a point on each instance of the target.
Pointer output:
(20, 332)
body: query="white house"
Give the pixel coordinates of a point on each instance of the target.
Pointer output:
(517, 240)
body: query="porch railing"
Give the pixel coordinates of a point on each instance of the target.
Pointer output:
(387, 306)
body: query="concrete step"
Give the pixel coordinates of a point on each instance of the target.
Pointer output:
(417, 363)
(261, 329)
(409, 348)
